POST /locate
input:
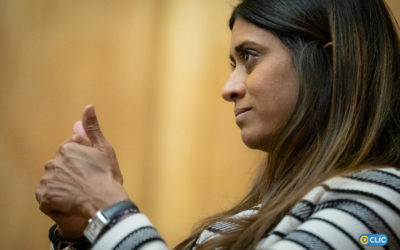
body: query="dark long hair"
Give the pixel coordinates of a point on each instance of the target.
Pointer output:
(348, 113)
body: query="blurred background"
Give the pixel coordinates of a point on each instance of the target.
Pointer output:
(154, 70)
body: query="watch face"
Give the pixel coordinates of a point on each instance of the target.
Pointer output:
(95, 226)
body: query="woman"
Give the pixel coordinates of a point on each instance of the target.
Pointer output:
(316, 85)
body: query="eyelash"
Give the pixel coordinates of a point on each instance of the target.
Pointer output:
(246, 56)
(233, 65)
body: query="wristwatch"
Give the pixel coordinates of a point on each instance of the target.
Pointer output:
(99, 223)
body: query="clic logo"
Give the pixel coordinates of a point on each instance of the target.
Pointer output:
(373, 239)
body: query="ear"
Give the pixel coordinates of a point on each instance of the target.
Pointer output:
(328, 47)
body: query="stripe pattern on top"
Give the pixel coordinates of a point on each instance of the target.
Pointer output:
(336, 213)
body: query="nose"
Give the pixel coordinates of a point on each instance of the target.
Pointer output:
(234, 88)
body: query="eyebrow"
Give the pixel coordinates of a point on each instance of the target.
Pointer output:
(240, 48)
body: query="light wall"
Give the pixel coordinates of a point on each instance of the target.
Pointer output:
(154, 70)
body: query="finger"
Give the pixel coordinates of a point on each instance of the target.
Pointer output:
(83, 140)
(63, 149)
(45, 207)
(79, 130)
(91, 127)
(80, 140)
(41, 189)
(38, 194)
(72, 138)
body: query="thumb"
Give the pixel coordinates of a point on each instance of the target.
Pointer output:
(91, 126)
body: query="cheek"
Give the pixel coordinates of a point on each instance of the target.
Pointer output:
(274, 83)
(275, 92)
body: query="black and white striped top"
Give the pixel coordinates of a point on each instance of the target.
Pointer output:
(333, 215)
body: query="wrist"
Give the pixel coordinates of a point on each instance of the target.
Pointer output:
(96, 203)
(69, 235)
(104, 219)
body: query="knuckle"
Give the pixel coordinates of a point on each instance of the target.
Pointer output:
(44, 181)
(66, 148)
(49, 165)
(108, 147)
(76, 138)
(93, 127)
(111, 150)
(47, 196)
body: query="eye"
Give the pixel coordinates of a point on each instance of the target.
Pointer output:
(246, 58)
(249, 58)
(233, 65)
(248, 54)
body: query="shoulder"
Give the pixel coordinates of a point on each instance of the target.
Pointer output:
(378, 177)
(337, 212)
(381, 185)
(375, 189)
(375, 192)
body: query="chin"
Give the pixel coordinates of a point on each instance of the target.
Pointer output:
(256, 142)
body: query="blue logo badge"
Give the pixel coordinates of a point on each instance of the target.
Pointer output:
(373, 239)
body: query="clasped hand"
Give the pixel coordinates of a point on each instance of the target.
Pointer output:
(83, 178)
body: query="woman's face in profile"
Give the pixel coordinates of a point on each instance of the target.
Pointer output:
(263, 84)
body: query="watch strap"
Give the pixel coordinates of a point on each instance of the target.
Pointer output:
(101, 222)
(114, 210)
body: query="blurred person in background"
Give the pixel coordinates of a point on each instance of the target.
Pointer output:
(316, 85)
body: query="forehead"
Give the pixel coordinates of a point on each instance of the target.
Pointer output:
(245, 31)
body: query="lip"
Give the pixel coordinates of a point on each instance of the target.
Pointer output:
(240, 111)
